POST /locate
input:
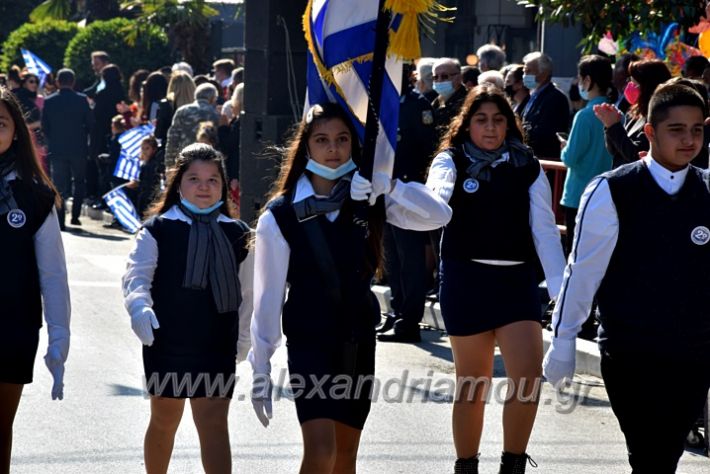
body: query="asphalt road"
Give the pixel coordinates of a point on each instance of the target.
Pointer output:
(99, 426)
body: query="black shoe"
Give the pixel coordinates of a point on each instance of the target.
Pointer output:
(466, 466)
(113, 225)
(387, 325)
(514, 463)
(75, 221)
(400, 337)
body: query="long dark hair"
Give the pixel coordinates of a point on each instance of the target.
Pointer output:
(155, 88)
(295, 160)
(457, 133)
(649, 73)
(22, 151)
(188, 155)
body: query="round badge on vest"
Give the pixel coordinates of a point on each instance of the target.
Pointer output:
(16, 218)
(470, 185)
(700, 235)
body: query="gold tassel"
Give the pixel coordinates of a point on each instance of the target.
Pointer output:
(404, 43)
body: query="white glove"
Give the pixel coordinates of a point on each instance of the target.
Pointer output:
(362, 189)
(143, 325)
(559, 361)
(55, 364)
(261, 398)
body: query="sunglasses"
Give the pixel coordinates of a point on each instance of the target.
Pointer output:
(444, 77)
(31, 81)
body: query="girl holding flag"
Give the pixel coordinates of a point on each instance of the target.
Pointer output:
(307, 238)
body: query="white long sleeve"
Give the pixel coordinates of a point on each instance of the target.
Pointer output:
(442, 176)
(54, 284)
(246, 282)
(546, 235)
(271, 259)
(414, 206)
(596, 233)
(138, 279)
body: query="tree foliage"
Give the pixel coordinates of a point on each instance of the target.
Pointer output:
(620, 17)
(75, 10)
(187, 24)
(13, 15)
(47, 40)
(150, 50)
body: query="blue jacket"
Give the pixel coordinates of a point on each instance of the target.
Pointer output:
(585, 154)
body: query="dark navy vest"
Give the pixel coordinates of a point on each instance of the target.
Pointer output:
(20, 293)
(176, 307)
(491, 220)
(655, 295)
(310, 312)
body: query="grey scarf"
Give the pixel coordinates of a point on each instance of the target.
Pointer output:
(210, 255)
(7, 200)
(314, 206)
(483, 161)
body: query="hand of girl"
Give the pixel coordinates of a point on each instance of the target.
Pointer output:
(55, 364)
(143, 325)
(362, 189)
(559, 362)
(261, 398)
(607, 114)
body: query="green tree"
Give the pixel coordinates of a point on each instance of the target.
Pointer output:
(75, 10)
(13, 15)
(47, 40)
(150, 49)
(186, 23)
(620, 17)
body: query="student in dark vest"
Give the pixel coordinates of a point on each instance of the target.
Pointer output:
(34, 280)
(187, 290)
(502, 224)
(641, 249)
(306, 238)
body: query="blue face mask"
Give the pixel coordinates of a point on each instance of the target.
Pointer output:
(330, 173)
(444, 89)
(196, 210)
(583, 93)
(530, 82)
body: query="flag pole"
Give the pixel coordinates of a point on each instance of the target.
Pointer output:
(377, 77)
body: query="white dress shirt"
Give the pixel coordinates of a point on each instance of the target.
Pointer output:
(410, 205)
(53, 280)
(140, 270)
(546, 236)
(596, 234)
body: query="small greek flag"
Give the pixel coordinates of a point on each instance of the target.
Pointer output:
(129, 165)
(36, 66)
(123, 209)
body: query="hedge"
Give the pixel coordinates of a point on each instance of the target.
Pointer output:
(47, 40)
(150, 50)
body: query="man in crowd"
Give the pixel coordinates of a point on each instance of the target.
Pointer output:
(490, 58)
(449, 85)
(547, 111)
(66, 120)
(423, 75)
(99, 59)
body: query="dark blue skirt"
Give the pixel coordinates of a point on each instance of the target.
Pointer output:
(477, 297)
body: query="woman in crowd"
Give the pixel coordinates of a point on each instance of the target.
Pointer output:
(181, 91)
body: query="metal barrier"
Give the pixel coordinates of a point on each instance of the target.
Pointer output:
(556, 172)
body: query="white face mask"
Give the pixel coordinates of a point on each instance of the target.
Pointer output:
(328, 173)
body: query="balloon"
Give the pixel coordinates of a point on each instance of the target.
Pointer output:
(704, 43)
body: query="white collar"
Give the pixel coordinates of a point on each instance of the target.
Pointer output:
(176, 214)
(304, 189)
(669, 181)
(11, 176)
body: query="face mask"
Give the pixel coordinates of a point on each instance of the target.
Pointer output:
(632, 92)
(529, 81)
(444, 89)
(583, 93)
(330, 174)
(509, 91)
(196, 210)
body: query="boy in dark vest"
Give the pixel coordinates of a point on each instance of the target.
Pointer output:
(641, 248)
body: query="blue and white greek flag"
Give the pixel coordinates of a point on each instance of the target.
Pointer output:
(123, 209)
(128, 165)
(36, 66)
(341, 41)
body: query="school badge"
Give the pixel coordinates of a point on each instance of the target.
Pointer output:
(700, 235)
(470, 185)
(427, 117)
(16, 218)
